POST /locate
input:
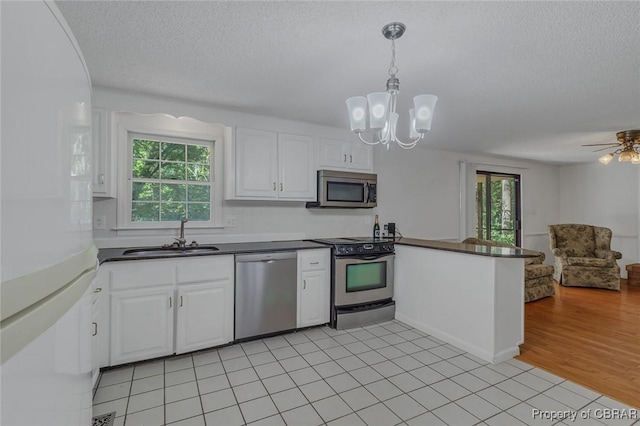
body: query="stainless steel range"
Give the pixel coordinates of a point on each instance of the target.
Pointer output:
(362, 281)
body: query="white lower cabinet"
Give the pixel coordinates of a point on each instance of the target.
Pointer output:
(314, 287)
(205, 303)
(141, 324)
(166, 306)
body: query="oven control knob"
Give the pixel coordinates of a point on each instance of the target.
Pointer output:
(360, 249)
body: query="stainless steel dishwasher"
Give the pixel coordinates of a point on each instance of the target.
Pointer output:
(266, 293)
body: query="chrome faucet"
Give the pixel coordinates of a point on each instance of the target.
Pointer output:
(182, 241)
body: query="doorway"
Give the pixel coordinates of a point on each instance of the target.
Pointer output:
(498, 207)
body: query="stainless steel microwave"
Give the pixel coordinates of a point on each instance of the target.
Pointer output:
(346, 190)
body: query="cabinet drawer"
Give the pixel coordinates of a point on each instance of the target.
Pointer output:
(142, 273)
(313, 260)
(205, 268)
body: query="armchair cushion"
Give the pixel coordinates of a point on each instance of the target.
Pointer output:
(589, 261)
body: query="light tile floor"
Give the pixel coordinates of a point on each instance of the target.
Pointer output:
(386, 374)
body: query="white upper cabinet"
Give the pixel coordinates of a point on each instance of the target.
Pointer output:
(296, 172)
(265, 165)
(256, 163)
(103, 176)
(341, 155)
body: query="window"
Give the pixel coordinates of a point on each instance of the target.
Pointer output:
(170, 179)
(173, 169)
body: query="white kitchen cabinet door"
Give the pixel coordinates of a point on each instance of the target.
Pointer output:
(205, 316)
(312, 293)
(103, 177)
(341, 155)
(256, 163)
(296, 171)
(333, 154)
(141, 324)
(360, 157)
(95, 342)
(314, 283)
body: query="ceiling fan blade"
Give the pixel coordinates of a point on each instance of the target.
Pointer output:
(603, 144)
(606, 148)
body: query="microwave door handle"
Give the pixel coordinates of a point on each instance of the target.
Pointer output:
(366, 192)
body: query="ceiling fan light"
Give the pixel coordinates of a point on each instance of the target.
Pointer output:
(625, 156)
(424, 106)
(357, 107)
(635, 159)
(606, 159)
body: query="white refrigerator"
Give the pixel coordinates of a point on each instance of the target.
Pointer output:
(48, 259)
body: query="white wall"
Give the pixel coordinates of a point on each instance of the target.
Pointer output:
(420, 191)
(605, 196)
(255, 220)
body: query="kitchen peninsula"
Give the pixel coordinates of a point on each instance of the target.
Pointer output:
(467, 295)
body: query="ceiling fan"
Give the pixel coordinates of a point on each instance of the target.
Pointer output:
(628, 147)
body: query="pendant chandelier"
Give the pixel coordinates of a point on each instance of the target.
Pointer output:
(627, 148)
(382, 106)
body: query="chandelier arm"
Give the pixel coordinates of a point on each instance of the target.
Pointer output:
(411, 144)
(365, 141)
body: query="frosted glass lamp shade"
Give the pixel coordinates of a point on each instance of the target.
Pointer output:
(413, 133)
(357, 107)
(606, 159)
(378, 109)
(635, 159)
(424, 106)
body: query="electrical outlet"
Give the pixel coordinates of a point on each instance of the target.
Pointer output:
(99, 222)
(231, 221)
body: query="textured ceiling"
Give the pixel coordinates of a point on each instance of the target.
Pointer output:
(530, 80)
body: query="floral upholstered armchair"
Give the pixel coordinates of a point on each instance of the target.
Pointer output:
(583, 256)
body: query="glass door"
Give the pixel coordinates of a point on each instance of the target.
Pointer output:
(498, 207)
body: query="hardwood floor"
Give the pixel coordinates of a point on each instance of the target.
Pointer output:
(589, 336)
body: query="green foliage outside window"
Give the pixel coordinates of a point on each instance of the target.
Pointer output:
(502, 210)
(170, 180)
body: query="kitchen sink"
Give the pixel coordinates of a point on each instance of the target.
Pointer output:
(164, 251)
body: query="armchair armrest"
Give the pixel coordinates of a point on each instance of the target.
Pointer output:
(608, 254)
(558, 252)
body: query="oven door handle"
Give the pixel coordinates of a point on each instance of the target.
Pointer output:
(374, 257)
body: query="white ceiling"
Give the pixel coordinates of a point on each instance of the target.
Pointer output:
(532, 80)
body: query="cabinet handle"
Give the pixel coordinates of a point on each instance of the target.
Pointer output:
(97, 290)
(345, 158)
(102, 179)
(351, 158)
(314, 263)
(274, 186)
(281, 187)
(181, 301)
(170, 301)
(304, 284)
(95, 329)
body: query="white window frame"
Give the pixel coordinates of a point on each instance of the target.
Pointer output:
(164, 125)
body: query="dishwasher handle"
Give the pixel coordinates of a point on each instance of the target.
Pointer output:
(266, 257)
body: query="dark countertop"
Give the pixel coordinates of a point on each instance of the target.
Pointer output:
(467, 248)
(115, 254)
